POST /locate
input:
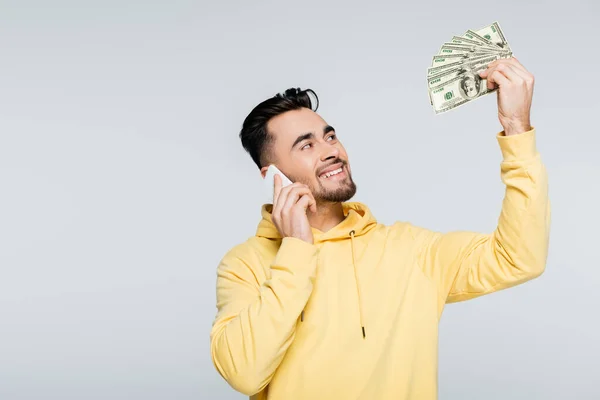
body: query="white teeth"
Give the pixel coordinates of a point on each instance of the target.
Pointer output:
(334, 172)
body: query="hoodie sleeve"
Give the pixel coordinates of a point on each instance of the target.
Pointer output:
(465, 265)
(255, 323)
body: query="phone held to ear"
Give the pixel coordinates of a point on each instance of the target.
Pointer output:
(269, 181)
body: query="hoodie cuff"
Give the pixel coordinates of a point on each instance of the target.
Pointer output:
(521, 146)
(297, 256)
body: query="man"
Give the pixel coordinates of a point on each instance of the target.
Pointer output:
(324, 302)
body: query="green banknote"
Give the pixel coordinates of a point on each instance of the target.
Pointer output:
(453, 76)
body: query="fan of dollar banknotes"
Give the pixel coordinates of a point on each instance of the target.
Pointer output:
(453, 78)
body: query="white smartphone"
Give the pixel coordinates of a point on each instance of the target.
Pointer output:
(269, 181)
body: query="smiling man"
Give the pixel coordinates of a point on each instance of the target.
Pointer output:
(328, 180)
(324, 302)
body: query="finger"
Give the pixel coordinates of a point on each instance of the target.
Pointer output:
(496, 77)
(282, 198)
(525, 78)
(522, 71)
(506, 71)
(276, 187)
(485, 72)
(278, 196)
(293, 197)
(509, 61)
(517, 67)
(502, 61)
(306, 202)
(516, 63)
(512, 74)
(312, 203)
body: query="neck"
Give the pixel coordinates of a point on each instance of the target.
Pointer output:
(327, 216)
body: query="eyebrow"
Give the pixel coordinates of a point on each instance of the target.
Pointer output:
(310, 135)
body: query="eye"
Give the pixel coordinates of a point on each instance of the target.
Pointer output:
(332, 137)
(305, 146)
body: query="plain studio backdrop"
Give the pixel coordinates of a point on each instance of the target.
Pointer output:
(123, 181)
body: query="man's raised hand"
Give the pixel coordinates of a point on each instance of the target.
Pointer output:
(515, 93)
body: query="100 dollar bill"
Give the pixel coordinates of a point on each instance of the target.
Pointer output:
(455, 48)
(472, 42)
(465, 62)
(440, 60)
(457, 91)
(448, 74)
(494, 34)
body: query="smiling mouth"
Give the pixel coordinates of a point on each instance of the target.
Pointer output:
(335, 173)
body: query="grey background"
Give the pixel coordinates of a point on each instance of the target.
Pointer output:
(123, 181)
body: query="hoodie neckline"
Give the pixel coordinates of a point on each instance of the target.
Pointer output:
(358, 218)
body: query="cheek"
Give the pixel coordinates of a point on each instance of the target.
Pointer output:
(344, 156)
(303, 170)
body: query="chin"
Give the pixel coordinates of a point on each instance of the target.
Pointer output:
(340, 194)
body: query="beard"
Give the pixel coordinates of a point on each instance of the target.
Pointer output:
(344, 191)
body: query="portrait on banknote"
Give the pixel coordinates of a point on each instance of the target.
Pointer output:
(470, 86)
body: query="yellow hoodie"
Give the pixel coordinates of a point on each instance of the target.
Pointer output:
(355, 315)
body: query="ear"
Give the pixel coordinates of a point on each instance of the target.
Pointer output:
(263, 171)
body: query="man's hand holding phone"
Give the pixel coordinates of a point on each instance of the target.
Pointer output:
(290, 205)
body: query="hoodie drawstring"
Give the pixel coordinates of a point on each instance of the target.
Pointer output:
(360, 310)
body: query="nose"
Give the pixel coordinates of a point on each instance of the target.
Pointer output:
(329, 151)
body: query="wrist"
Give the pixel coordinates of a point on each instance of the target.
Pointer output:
(516, 127)
(308, 240)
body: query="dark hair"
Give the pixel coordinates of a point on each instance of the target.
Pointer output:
(255, 138)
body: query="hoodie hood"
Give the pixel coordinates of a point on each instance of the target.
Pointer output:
(358, 220)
